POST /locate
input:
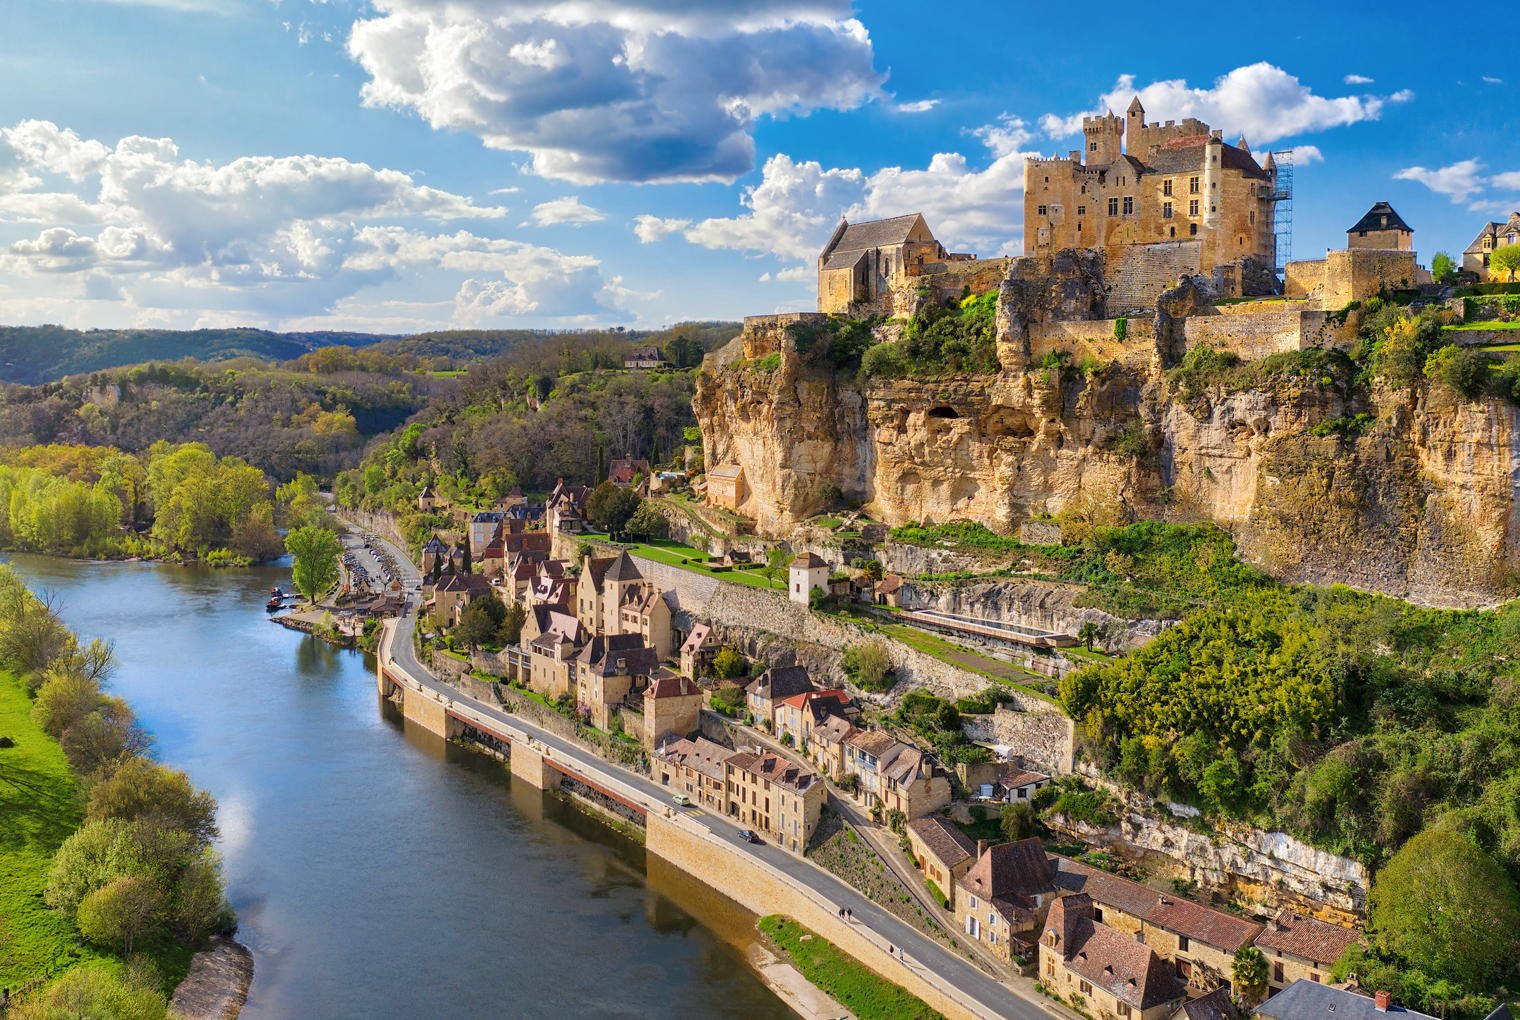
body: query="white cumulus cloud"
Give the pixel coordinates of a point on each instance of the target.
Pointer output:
(1510, 180)
(1459, 180)
(565, 210)
(1303, 155)
(1357, 79)
(797, 205)
(262, 236)
(921, 106)
(652, 228)
(1260, 101)
(621, 90)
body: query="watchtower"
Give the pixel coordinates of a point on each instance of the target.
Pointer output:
(1105, 139)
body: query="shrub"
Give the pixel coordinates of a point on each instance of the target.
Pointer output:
(1468, 373)
(869, 665)
(728, 664)
(1121, 328)
(140, 787)
(884, 361)
(125, 909)
(938, 896)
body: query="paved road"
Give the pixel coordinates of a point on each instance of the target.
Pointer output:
(922, 952)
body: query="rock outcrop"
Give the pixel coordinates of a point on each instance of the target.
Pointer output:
(1420, 506)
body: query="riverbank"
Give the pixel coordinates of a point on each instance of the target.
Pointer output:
(216, 988)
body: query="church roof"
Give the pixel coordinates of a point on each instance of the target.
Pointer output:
(844, 260)
(623, 569)
(876, 233)
(1380, 217)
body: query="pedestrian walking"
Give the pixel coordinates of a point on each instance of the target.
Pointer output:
(891, 951)
(841, 913)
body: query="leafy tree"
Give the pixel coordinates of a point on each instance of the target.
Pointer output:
(1249, 971)
(125, 909)
(829, 493)
(256, 538)
(648, 521)
(65, 697)
(1441, 266)
(97, 990)
(1016, 821)
(871, 572)
(610, 507)
(775, 565)
(728, 664)
(107, 734)
(1505, 259)
(139, 788)
(1468, 373)
(315, 552)
(510, 631)
(1443, 906)
(479, 622)
(1087, 633)
(868, 664)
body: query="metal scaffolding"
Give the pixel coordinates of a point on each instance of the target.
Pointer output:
(1282, 214)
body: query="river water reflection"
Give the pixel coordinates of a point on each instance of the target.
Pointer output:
(379, 872)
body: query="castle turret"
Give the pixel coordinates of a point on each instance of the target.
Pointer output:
(1105, 139)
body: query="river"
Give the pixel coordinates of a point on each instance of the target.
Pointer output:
(377, 871)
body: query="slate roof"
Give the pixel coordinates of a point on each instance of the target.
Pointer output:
(876, 233)
(623, 569)
(595, 568)
(1214, 927)
(475, 584)
(645, 354)
(944, 839)
(1214, 1006)
(1373, 220)
(1310, 1000)
(836, 728)
(1188, 155)
(1307, 937)
(781, 682)
(904, 767)
(844, 260)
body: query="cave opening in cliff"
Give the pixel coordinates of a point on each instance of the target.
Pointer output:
(943, 412)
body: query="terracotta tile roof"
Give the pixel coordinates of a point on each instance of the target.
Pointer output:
(726, 471)
(807, 561)
(904, 767)
(887, 585)
(1106, 890)
(800, 700)
(944, 839)
(1013, 780)
(672, 687)
(701, 755)
(1011, 871)
(781, 771)
(872, 742)
(1307, 937)
(1214, 927)
(696, 638)
(1128, 970)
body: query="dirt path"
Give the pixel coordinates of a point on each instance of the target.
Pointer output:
(217, 986)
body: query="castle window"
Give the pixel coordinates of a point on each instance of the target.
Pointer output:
(1253, 217)
(1192, 184)
(1113, 207)
(1174, 232)
(1166, 210)
(1047, 180)
(1166, 187)
(1193, 207)
(1042, 210)
(1129, 204)
(1193, 229)
(1084, 189)
(1093, 147)
(1082, 211)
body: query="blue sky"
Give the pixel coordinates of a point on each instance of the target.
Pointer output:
(399, 165)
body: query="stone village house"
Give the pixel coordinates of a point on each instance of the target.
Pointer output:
(1116, 975)
(774, 686)
(692, 767)
(672, 705)
(943, 851)
(770, 794)
(1005, 894)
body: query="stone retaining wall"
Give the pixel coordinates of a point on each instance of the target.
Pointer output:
(1043, 736)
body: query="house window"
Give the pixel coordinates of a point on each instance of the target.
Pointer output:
(1166, 210)
(1182, 943)
(1084, 987)
(1277, 972)
(1166, 187)
(1192, 230)
(1314, 978)
(1193, 186)
(1123, 1009)
(1174, 232)
(1129, 204)
(1113, 207)
(1193, 207)
(1097, 915)
(1050, 966)
(973, 903)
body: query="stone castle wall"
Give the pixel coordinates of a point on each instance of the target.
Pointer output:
(1139, 273)
(1094, 340)
(1352, 274)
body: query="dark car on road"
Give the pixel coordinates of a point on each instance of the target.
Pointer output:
(749, 835)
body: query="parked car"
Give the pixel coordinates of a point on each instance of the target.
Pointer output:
(749, 835)
(681, 800)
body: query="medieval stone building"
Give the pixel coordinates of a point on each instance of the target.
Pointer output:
(1205, 205)
(880, 266)
(1381, 227)
(1492, 236)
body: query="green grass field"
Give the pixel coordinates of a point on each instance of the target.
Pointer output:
(945, 651)
(671, 553)
(1458, 327)
(38, 811)
(842, 977)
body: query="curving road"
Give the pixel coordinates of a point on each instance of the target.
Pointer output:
(992, 998)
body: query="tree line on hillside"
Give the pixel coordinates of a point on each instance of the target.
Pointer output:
(139, 880)
(102, 502)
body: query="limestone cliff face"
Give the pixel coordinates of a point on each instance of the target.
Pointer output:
(1421, 506)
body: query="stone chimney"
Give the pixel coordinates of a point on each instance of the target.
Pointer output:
(981, 849)
(1382, 1001)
